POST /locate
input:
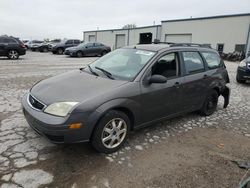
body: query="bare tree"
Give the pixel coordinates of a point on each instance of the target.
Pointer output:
(129, 26)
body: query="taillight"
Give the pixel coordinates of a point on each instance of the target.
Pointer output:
(22, 45)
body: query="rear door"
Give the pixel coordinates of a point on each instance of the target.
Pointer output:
(165, 99)
(77, 42)
(98, 48)
(69, 43)
(89, 49)
(195, 84)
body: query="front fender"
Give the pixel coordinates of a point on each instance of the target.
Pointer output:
(129, 104)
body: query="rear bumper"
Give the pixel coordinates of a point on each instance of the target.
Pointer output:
(54, 128)
(243, 73)
(22, 52)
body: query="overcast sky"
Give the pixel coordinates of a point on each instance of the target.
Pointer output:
(39, 19)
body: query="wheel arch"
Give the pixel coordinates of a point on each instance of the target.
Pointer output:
(127, 106)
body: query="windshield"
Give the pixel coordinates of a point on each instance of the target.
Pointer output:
(123, 64)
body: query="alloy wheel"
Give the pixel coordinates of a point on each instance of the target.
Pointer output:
(114, 133)
(13, 54)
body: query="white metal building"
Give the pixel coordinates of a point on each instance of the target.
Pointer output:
(116, 38)
(227, 33)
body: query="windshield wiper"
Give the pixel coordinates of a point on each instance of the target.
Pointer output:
(91, 70)
(107, 73)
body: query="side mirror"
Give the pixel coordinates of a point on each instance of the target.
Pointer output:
(157, 79)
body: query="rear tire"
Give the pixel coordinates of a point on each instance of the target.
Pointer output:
(210, 104)
(104, 53)
(111, 132)
(13, 54)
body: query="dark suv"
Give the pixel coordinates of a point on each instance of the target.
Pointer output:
(11, 47)
(124, 90)
(60, 47)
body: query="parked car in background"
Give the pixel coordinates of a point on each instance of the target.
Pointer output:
(60, 47)
(44, 47)
(11, 47)
(25, 42)
(88, 49)
(35, 44)
(47, 46)
(126, 89)
(243, 71)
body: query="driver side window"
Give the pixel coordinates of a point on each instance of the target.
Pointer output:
(166, 66)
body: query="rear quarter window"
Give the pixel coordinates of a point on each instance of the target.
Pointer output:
(213, 60)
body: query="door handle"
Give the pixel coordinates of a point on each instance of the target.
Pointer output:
(177, 84)
(205, 76)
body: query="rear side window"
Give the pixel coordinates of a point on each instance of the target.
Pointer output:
(77, 42)
(193, 62)
(212, 59)
(90, 45)
(69, 42)
(98, 44)
(12, 41)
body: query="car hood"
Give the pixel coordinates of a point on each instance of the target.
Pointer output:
(74, 86)
(71, 48)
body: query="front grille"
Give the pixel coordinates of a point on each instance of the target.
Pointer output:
(55, 138)
(35, 103)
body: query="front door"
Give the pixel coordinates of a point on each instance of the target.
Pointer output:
(165, 99)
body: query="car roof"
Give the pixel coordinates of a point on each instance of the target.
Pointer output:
(150, 47)
(164, 47)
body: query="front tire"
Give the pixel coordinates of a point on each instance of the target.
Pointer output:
(13, 54)
(45, 49)
(79, 54)
(210, 103)
(60, 51)
(240, 81)
(111, 132)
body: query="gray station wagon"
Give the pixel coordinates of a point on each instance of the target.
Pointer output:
(129, 88)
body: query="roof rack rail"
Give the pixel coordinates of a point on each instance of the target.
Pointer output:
(191, 45)
(172, 44)
(156, 41)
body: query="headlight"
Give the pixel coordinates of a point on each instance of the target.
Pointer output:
(242, 63)
(60, 108)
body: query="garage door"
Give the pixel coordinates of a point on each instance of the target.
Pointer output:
(120, 41)
(91, 38)
(178, 38)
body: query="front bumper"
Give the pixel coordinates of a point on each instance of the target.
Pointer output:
(71, 53)
(55, 128)
(243, 73)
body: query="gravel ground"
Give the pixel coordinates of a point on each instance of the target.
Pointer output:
(189, 151)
